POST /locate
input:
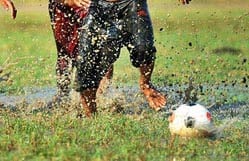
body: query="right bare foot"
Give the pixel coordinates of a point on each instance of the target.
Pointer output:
(155, 99)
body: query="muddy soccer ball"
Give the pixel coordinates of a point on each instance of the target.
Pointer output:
(191, 121)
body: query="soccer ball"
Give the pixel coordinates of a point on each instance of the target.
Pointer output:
(192, 120)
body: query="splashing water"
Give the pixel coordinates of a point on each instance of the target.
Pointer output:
(129, 99)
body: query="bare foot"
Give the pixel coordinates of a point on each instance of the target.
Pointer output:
(155, 99)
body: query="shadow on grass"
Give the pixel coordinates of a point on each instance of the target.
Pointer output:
(228, 50)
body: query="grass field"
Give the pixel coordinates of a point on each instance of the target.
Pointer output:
(206, 40)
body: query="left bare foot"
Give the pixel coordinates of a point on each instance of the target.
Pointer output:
(155, 99)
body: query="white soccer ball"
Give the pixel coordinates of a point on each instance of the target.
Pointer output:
(191, 121)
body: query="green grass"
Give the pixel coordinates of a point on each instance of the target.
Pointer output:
(28, 45)
(186, 38)
(28, 41)
(112, 137)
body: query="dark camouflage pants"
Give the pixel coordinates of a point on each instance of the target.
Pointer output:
(106, 29)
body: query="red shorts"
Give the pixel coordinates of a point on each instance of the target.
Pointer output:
(65, 22)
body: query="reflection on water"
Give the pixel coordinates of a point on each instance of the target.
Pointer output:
(31, 95)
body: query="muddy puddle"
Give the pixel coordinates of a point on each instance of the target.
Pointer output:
(223, 101)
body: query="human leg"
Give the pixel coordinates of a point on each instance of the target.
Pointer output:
(155, 99)
(65, 22)
(143, 53)
(88, 96)
(96, 57)
(88, 100)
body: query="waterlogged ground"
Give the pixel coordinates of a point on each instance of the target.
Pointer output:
(223, 101)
